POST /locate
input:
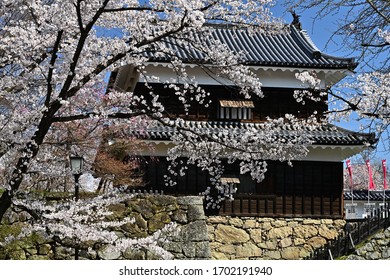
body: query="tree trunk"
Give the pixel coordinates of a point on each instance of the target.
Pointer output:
(5, 203)
(28, 153)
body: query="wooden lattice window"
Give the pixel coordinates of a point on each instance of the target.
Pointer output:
(235, 110)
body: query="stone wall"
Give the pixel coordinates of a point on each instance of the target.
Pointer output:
(268, 238)
(151, 213)
(377, 248)
(199, 238)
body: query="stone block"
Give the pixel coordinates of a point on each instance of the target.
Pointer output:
(190, 200)
(299, 241)
(17, 255)
(250, 224)
(280, 233)
(248, 250)
(272, 255)
(386, 253)
(38, 257)
(217, 220)
(147, 209)
(202, 250)
(44, 249)
(227, 249)
(311, 222)
(140, 222)
(327, 221)
(303, 253)
(189, 249)
(327, 233)
(269, 245)
(134, 254)
(255, 235)
(118, 210)
(285, 242)
(354, 257)
(305, 231)
(109, 252)
(374, 256)
(291, 253)
(264, 220)
(237, 222)
(163, 200)
(383, 242)
(195, 212)
(219, 256)
(180, 216)
(339, 223)
(31, 251)
(173, 247)
(230, 235)
(63, 253)
(195, 231)
(266, 225)
(380, 235)
(368, 247)
(158, 221)
(292, 224)
(316, 242)
(279, 223)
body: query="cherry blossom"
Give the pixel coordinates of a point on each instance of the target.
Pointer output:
(55, 56)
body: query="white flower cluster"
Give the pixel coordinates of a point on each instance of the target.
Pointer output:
(385, 34)
(314, 90)
(277, 139)
(88, 220)
(53, 61)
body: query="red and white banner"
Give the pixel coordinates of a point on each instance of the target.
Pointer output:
(349, 166)
(371, 185)
(384, 174)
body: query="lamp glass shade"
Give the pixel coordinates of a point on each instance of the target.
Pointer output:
(76, 164)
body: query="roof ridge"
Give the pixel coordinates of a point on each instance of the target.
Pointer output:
(317, 51)
(351, 131)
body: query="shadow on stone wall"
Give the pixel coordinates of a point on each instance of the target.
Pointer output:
(151, 213)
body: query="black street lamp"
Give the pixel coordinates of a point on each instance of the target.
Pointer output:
(76, 165)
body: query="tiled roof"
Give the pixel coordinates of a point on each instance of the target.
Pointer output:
(363, 195)
(292, 48)
(322, 135)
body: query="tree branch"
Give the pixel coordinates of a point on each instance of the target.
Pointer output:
(378, 11)
(80, 45)
(118, 115)
(51, 67)
(376, 45)
(79, 18)
(124, 9)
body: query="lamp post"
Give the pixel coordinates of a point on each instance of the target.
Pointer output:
(76, 165)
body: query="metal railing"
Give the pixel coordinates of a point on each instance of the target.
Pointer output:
(356, 231)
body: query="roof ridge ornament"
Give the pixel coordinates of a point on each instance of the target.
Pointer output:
(296, 21)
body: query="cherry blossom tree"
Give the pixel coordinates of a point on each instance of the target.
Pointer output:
(87, 223)
(360, 176)
(55, 53)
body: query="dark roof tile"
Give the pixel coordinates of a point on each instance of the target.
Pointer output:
(321, 135)
(293, 48)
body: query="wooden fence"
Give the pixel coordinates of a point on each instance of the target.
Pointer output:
(356, 231)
